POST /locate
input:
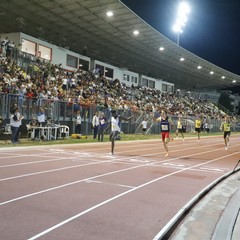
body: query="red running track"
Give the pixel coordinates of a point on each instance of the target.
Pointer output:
(80, 192)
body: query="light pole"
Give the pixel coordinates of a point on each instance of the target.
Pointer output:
(182, 13)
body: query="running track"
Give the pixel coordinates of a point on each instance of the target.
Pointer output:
(80, 192)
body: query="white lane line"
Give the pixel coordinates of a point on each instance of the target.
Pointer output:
(52, 170)
(68, 184)
(107, 183)
(17, 155)
(35, 162)
(175, 164)
(212, 169)
(73, 158)
(116, 197)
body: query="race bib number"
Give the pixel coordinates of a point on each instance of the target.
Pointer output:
(165, 127)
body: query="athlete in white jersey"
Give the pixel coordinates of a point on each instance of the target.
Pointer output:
(115, 128)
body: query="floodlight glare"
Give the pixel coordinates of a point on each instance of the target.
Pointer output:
(177, 28)
(183, 11)
(184, 8)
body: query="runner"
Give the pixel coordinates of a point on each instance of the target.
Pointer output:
(226, 128)
(115, 128)
(179, 128)
(198, 123)
(165, 129)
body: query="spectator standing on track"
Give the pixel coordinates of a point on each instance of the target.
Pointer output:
(179, 128)
(226, 128)
(165, 123)
(198, 124)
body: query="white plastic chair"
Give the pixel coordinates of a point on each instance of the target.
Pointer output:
(64, 132)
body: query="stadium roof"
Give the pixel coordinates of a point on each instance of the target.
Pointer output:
(83, 27)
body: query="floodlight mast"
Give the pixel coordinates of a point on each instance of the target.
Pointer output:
(183, 11)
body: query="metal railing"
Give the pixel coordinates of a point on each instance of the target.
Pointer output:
(64, 113)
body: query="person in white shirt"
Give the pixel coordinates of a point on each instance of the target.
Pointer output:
(144, 126)
(78, 123)
(41, 117)
(95, 124)
(15, 123)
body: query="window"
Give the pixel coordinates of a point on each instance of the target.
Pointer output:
(144, 82)
(124, 77)
(108, 72)
(29, 47)
(72, 61)
(99, 70)
(83, 64)
(136, 79)
(164, 87)
(151, 84)
(45, 52)
(170, 88)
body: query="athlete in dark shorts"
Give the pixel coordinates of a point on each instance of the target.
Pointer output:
(198, 123)
(165, 130)
(226, 127)
(179, 128)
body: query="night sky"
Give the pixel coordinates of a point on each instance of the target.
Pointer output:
(212, 31)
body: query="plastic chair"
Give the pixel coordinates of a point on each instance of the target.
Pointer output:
(64, 132)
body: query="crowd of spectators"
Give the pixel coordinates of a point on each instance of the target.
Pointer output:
(49, 82)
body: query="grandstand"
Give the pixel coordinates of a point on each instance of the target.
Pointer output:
(84, 28)
(161, 84)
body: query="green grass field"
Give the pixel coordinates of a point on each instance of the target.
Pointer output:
(89, 139)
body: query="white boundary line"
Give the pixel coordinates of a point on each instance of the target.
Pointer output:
(124, 158)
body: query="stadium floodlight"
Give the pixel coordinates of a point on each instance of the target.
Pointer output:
(136, 32)
(183, 11)
(109, 13)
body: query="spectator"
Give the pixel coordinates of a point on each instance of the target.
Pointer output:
(15, 123)
(95, 124)
(101, 127)
(78, 123)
